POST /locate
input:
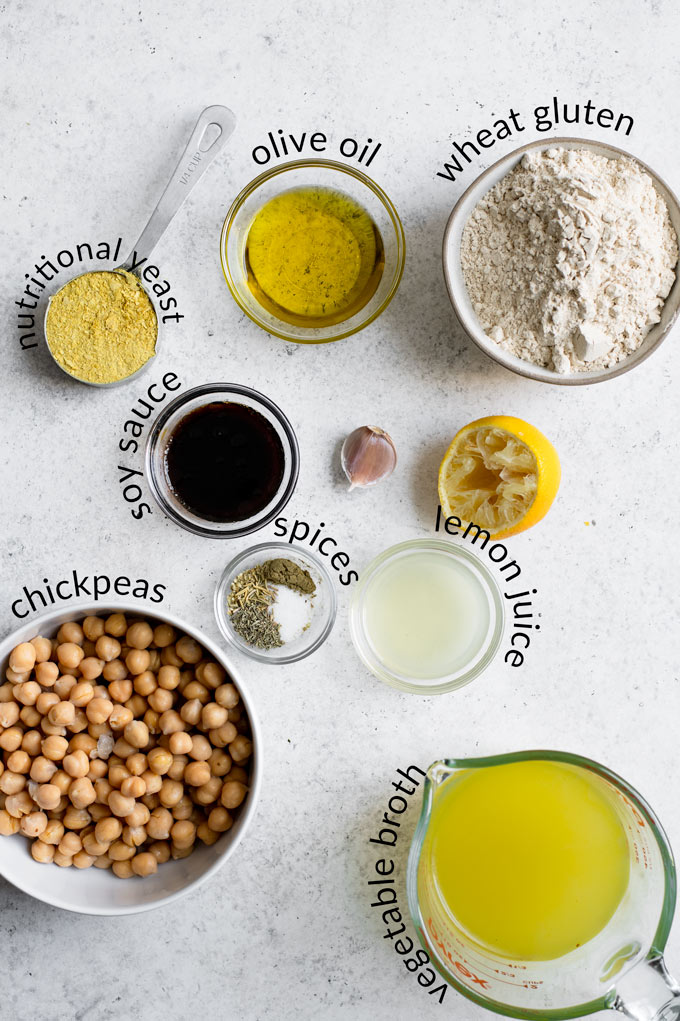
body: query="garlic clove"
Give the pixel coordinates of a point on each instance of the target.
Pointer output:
(368, 456)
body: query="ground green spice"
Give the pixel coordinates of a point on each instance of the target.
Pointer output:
(285, 572)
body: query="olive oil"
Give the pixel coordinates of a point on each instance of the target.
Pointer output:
(314, 257)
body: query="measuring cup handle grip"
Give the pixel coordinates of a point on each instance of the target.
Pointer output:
(211, 133)
(648, 993)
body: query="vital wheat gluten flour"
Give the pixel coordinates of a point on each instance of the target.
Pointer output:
(568, 259)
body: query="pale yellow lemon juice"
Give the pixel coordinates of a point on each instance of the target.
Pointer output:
(529, 858)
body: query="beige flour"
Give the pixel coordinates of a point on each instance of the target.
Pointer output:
(568, 258)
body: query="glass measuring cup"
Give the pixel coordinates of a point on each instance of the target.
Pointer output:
(621, 968)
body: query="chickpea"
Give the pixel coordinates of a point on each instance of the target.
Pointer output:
(134, 836)
(180, 743)
(76, 818)
(69, 655)
(84, 743)
(83, 860)
(27, 693)
(43, 648)
(54, 748)
(53, 832)
(206, 835)
(136, 734)
(120, 851)
(183, 833)
(220, 820)
(33, 824)
(196, 690)
(31, 742)
(137, 661)
(102, 861)
(98, 769)
(168, 677)
(44, 853)
(22, 658)
(233, 794)
(120, 690)
(136, 763)
(180, 852)
(171, 793)
(19, 804)
(123, 869)
(179, 764)
(76, 764)
(189, 650)
(201, 749)
(169, 657)
(151, 719)
(11, 738)
(63, 860)
(163, 635)
(120, 717)
(98, 811)
(220, 763)
(15, 678)
(184, 808)
(137, 705)
(139, 816)
(107, 648)
(42, 769)
(208, 792)
(62, 780)
(99, 710)
(70, 632)
(139, 635)
(88, 648)
(62, 714)
(8, 824)
(171, 722)
(115, 670)
(47, 795)
(108, 829)
(227, 696)
(160, 699)
(160, 823)
(119, 804)
(19, 761)
(153, 781)
(46, 674)
(213, 716)
(45, 701)
(224, 735)
(92, 846)
(191, 711)
(11, 783)
(30, 716)
(239, 774)
(118, 772)
(160, 760)
(63, 685)
(241, 748)
(116, 625)
(160, 849)
(93, 628)
(123, 748)
(133, 787)
(197, 773)
(81, 792)
(9, 714)
(70, 844)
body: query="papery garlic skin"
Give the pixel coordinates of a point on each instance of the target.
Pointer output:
(368, 456)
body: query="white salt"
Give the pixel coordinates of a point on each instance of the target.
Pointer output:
(292, 610)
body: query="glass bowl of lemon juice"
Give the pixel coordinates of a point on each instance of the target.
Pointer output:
(426, 616)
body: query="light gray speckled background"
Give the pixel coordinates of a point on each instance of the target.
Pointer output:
(97, 100)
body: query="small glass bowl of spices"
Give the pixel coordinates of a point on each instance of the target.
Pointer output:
(312, 251)
(222, 460)
(276, 603)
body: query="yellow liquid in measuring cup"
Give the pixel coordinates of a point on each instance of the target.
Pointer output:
(529, 857)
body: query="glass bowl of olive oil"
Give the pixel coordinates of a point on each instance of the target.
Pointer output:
(312, 251)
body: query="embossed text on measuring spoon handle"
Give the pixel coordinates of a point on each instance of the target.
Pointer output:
(213, 129)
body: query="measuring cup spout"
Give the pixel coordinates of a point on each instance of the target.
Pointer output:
(648, 993)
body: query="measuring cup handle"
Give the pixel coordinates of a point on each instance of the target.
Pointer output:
(648, 993)
(213, 129)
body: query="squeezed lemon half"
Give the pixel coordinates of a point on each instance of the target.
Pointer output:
(501, 473)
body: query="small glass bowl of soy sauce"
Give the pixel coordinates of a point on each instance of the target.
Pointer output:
(222, 460)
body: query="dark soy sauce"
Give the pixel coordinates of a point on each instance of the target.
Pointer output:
(225, 461)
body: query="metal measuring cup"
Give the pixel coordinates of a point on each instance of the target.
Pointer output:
(210, 134)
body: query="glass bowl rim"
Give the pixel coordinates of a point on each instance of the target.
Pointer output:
(222, 619)
(495, 630)
(282, 168)
(218, 389)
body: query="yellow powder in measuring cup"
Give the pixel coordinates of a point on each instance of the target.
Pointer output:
(101, 327)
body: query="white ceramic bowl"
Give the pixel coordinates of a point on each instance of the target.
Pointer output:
(460, 299)
(97, 891)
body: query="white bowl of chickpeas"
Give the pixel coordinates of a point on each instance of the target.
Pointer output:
(128, 751)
